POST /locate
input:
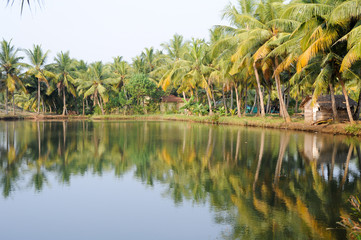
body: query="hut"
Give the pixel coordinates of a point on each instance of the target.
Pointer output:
(171, 103)
(322, 108)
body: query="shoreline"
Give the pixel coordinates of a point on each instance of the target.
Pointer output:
(273, 122)
(248, 121)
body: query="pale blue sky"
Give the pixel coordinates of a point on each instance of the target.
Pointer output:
(99, 30)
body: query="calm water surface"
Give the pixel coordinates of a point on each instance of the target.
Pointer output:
(172, 180)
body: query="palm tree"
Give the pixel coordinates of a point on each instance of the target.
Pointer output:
(148, 57)
(65, 68)
(10, 63)
(120, 70)
(191, 72)
(83, 76)
(321, 40)
(97, 83)
(37, 67)
(176, 49)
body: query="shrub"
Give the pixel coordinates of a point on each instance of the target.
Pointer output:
(353, 129)
(352, 223)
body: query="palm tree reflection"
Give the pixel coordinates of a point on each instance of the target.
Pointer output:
(262, 181)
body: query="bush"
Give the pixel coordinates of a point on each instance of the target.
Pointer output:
(214, 118)
(353, 129)
(352, 223)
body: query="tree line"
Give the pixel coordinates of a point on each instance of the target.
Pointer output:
(270, 56)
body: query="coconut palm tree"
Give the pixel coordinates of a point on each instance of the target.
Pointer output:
(96, 83)
(175, 49)
(192, 71)
(321, 40)
(65, 69)
(37, 59)
(10, 64)
(120, 70)
(82, 76)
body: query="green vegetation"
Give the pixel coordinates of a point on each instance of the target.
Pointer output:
(353, 129)
(353, 223)
(270, 56)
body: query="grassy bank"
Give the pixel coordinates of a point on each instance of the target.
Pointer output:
(267, 122)
(253, 121)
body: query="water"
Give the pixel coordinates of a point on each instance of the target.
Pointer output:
(172, 180)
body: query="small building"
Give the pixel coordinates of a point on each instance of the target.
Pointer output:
(322, 108)
(171, 103)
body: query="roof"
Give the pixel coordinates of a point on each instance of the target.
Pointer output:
(324, 102)
(172, 99)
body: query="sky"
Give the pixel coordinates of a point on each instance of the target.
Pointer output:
(95, 30)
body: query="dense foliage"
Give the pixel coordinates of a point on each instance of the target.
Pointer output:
(270, 56)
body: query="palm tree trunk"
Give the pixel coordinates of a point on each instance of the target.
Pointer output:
(209, 102)
(263, 114)
(214, 99)
(184, 95)
(224, 100)
(245, 100)
(100, 105)
(38, 96)
(268, 101)
(6, 101)
(42, 102)
(231, 98)
(333, 103)
(347, 102)
(13, 103)
(283, 109)
(288, 96)
(87, 103)
(64, 102)
(238, 102)
(296, 105)
(83, 107)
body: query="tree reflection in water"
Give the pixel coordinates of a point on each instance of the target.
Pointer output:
(264, 183)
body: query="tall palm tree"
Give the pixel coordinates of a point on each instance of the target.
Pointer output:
(97, 83)
(120, 70)
(65, 68)
(175, 49)
(192, 71)
(320, 40)
(148, 56)
(37, 66)
(10, 63)
(82, 76)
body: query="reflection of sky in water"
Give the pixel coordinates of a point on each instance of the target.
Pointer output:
(339, 171)
(178, 181)
(103, 207)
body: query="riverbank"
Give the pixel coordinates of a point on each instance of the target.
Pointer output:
(35, 116)
(268, 122)
(275, 122)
